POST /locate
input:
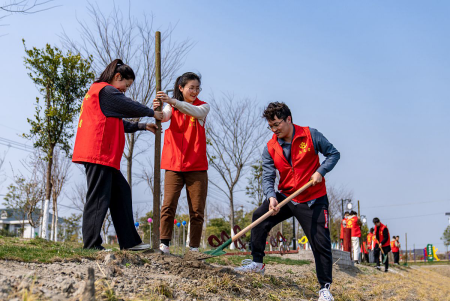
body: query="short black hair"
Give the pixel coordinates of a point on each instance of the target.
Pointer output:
(376, 220)
(371, 230)
(346, 212)
(278, 109)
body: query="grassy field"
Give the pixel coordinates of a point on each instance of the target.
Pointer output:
(285, 279)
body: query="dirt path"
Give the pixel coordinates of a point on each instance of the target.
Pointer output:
(157, 277)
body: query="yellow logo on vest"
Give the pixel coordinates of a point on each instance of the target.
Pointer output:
(192, 121)
(303, 147)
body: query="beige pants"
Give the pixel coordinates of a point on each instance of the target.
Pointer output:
(196, 190)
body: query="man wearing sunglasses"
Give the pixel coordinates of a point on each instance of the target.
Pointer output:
(293, 151)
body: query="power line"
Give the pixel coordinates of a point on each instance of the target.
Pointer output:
(16, 145)
(395, 205)
(440, 213)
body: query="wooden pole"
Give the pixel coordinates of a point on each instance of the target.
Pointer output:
(358, 209)
(157, 171)
(406, 244)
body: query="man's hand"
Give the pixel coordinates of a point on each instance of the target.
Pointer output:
(158, 115)
(316, 178)
(273, 203)
(151, 127)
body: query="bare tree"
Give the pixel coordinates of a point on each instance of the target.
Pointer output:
(335, 196)
(234, 135)
(78, 198)
(61, 167)
(147, 175)
(26, 7)
(117, 36)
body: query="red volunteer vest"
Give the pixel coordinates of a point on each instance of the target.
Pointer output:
(342, 230)
(352, 223)
(382, 227)
(394, 247)
(369, 240)
(364, 248)
(184, 143)
(305, 163)
(99, 139)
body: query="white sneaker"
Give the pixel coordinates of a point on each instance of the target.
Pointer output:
(249, 266)
(192, 249)
(140, 247)
(165, 249)
(324, 294)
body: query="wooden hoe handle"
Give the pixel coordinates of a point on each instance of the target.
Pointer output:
(269, 213)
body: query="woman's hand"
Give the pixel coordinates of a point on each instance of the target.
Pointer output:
(165, 98)
(158, 115)
(151, 127)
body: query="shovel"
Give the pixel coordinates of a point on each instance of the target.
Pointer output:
(219, 251)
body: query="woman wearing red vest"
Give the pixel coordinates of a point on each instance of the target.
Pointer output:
(294, 151)
(355, 224)
(184, 157)
(395, 247)
(382, 239)
(99, 146)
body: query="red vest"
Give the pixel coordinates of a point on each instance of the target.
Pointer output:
(342, 229)
(369, 240)
(364, 248)
(382, 227)
(184, 143)
(99, 139)
(394, 248)
(305, 163)
(352, 223)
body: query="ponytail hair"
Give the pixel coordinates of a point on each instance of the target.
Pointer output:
(116, 66)
(182, 81)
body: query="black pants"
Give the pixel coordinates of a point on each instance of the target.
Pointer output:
(366, 257)
(377, 253)
(313, 223)
(107, 188)
(396, 257)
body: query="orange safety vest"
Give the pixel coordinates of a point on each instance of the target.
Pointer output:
(99, 139)
(184, 143)
(364, 248)
(305, 163)
(382, 227)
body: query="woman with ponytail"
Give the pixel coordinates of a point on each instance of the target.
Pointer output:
(99, 145)
(184, 157)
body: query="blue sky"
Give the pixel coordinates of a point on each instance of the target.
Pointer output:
(371, 76)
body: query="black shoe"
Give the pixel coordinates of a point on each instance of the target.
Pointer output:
(385, 271)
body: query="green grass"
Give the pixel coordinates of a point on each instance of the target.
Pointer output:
(40, 250)
(236, 260)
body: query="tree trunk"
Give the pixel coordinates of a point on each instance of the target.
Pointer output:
(129, 158)
(56, 221)
(52, 232)
(232, 218)
(48, 193)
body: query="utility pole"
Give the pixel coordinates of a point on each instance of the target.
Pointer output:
(342, 202)
(406, 243)
(157, 170)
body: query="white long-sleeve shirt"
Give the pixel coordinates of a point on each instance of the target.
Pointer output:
(199, 112)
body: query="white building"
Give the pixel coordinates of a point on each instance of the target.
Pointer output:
(12, 220)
